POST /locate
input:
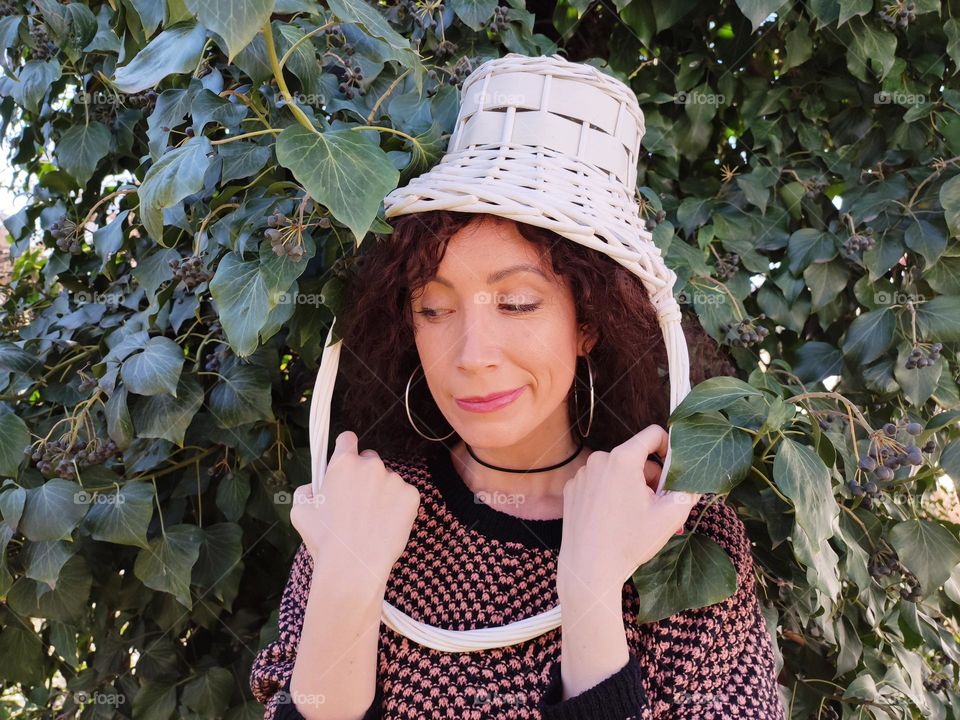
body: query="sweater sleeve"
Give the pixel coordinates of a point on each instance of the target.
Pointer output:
(702, 664)
(716, 661)
(273, 665)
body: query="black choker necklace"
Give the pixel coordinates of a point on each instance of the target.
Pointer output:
(532, 470)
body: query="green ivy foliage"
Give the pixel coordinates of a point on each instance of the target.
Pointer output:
(195, 172)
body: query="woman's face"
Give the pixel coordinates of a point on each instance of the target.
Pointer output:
(493, 320)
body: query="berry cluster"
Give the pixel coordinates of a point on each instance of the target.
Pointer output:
(275, 480)
(352, 78)
(190, 271)
(885, 456)
(460, 71)
(444, 51)
(727, 266)
(282, 237)
(56, 459)
(899, 13)
(215, 359)
(8, 7)
(745, 332)
(651, 223)
(220, 471)
(917, 359)
(67, 233)
(814, 187)
(336, 38)
(41, 47)
(936, 684)
(857, 242)
(884, 563)
(943, 678)
(498, 23)
(426, 14)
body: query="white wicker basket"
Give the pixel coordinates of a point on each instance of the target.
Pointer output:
(551, 143)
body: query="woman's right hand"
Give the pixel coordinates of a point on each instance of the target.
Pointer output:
(362, 520)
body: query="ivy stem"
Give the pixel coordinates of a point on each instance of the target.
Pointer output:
(385, 129)
(281, 83)
(772, 486)
(243, 136)
(286, 55)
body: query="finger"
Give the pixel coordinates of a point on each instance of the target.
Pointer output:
(673, 508)
(651, 474)
(652, 439)
(346, 444)
(305, 491)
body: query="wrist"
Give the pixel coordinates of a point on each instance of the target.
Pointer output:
(359, 588)
(578, 589)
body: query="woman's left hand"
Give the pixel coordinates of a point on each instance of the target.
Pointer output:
(613, 520)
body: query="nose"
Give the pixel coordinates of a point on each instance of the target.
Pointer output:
(480, 337)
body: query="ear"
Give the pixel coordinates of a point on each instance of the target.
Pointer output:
(587, 338)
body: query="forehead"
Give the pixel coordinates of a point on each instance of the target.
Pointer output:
(486, 244)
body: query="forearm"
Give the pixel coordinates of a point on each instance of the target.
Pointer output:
(335, 671)
(593, 641)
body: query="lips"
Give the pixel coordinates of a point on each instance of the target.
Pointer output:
(487, 398)
(490, 403)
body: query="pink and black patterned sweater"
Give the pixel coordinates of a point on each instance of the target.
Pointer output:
(468, 565)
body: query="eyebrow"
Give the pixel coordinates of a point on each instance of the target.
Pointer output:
(501, 274)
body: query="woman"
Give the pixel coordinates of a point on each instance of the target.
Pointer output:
(528, 500)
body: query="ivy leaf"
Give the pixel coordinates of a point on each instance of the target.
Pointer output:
(928, 550)
(165, 564)
(14, 439)
(917, 384)
(43, 560)
(81, 148)
(163, 416)
(757, 11)
(714, 393)
(122, 517)
(708, 454)
(154, 370)
(236, 21)
(691, 571)
(155, 701)
(869, 335)
(950, 199)
(21, 656)
(341, 170)
(219, 566)
(825, 280)
(872, 45)
(33, 81)
(177, 174)
(53, 510)
(801, 475)
(474, 13)
(241, 396)
(209, 694)
(176, 50)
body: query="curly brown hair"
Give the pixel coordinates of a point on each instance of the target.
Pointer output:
(378, 354)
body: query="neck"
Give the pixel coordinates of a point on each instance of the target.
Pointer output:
(533, 487)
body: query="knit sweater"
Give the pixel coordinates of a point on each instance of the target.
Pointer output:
(468, 565)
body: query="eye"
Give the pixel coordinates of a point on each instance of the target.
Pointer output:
(522, 308)
(427, 312)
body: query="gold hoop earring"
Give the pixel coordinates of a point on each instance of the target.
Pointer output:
(576, 402)
(406, 402)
